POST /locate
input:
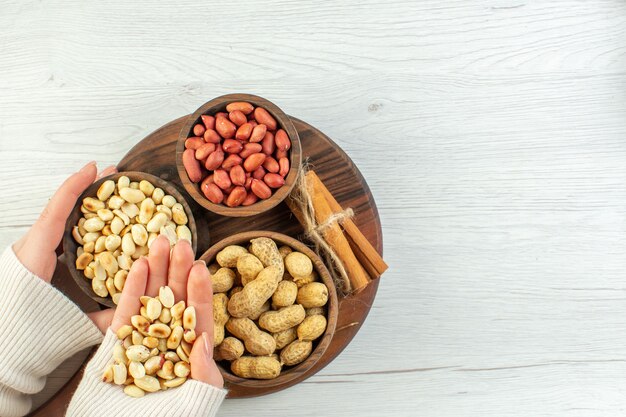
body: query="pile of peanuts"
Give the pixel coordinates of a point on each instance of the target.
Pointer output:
(119, 226)
(268, 308)
(238, 156)
(152, 354)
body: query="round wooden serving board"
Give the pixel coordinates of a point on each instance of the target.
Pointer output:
(156, 155)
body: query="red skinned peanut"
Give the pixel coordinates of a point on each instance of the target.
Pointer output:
(260, 189)
(194, 143)
(192, 165)
(225, 127)
(236, 197)
(282, 140)
(209, 121)
(232, 146)
(249, 149)
(258, 133)
(242, 106)
(283, 163)
(264, 117)
(211, 136)
(271, 165)
(221, 179)
(274, 180)
(238, 175)
(231, 161)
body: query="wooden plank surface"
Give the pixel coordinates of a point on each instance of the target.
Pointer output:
(491, 133)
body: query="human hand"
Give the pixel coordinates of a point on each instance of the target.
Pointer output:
(36, 250)
(190, 281)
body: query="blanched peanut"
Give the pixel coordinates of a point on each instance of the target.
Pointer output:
(134, 391)
(139, 234)
(99, 288)
(175, 337)
(153, 309)
(123, 182)
(131, 210)
(136, 369)
(168, 201)
(146, 187)
(146, 210)
(132, 196)
(92, 205)
(183, 232)
(166, 296)
(178, 214)
(112, 242)
(95, 224)
(83, 260)
(182, 369)
(189, 318)
(138, 353)
(124, 331)
(157, 222)
(119, 373)
(177, 309)
(105, 190)
(148, 383)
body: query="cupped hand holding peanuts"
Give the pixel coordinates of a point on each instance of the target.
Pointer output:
(36, 250)
(190, 281)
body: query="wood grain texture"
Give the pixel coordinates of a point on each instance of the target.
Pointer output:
(491, 134)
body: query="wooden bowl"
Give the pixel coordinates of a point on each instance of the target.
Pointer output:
(289, 373)
(217, 105)
(70, 245)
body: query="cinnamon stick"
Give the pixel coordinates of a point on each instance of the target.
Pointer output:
(334, 235)
(367, 255)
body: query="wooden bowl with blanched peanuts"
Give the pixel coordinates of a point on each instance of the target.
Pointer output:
(275, 308)
(112, 228)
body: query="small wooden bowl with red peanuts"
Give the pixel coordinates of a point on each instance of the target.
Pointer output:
(238, 155)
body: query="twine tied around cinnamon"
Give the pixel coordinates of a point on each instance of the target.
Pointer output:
(301, 195)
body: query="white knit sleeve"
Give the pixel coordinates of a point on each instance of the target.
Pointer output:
(99, 399)
(39, 328)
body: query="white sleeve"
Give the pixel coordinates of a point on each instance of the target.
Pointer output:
(39, 328)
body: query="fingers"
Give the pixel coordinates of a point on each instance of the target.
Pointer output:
(107, 171)
(203, 367)
(158, 259)
(134, 288)
(200, 295)
(49, 227)
(102, 319)
(180, 266)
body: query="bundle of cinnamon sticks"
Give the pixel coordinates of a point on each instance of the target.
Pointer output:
(359, 261)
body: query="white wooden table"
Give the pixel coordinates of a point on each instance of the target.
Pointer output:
(492, 134)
